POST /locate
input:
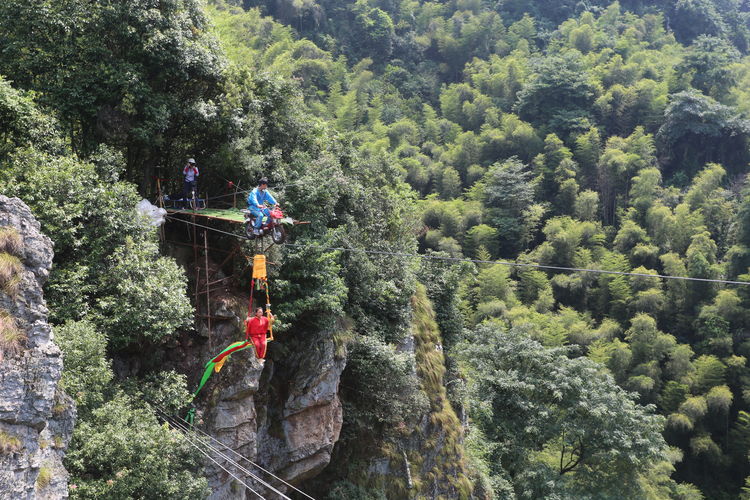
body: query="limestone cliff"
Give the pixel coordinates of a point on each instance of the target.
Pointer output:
(283, 413)
(36, 417)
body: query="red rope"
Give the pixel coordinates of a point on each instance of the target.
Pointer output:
(250, 307)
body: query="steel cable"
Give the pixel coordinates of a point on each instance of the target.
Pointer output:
(186, 431)
(478, 261)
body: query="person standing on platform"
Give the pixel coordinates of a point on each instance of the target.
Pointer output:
(191, 174)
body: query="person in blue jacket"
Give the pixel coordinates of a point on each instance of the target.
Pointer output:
(256, 203)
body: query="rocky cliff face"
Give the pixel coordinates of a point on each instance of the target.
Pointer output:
(36, 417)
(285, 418)
(284, 415)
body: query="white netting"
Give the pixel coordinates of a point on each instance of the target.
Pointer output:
(154, 213)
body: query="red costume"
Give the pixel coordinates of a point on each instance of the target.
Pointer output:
(257, 328)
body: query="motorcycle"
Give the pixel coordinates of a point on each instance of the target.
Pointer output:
(273, 225)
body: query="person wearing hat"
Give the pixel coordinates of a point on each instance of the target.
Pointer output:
(256, 201)
(191, 179)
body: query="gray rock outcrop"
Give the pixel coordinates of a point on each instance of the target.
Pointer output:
(36, 417)
(285, 417)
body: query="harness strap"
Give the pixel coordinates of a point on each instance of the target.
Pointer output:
(250, 307)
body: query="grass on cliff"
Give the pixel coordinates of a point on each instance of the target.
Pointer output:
(44, 477)
(444, 434)
(8, 443)
(10, 273)
(429, 356)
(11, 241)
(424, 458)
(12, 338)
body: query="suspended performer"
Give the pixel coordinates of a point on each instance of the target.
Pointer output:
(256, 329)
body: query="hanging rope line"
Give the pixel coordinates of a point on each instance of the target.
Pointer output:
(186, 431)
(192, 440)
(479, 261)
(242, 457)
(227, 471)
(207, 455)
(182, 427)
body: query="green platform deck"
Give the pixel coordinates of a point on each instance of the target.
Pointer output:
(228, 214)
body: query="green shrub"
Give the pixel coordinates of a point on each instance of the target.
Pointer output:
(145, 295)
(548, 415)
(344, 490)
(58, 409)
(385, 376)
(107, 262)
(719, 398)
(121, 450)
(165, 389)
(87, 374)
(680, 422)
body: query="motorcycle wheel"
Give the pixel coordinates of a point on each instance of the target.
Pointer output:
(278, 235)
(249, 230)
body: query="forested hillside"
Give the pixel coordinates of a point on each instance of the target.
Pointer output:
(595, 136)
(612, 137)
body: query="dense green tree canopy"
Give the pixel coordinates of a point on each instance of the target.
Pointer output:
(560, 428)
(595, 135)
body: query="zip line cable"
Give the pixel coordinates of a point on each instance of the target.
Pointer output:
(185, 431)
(193, 440)
(185, 426)
(227, 471)
(478, 261)
(218, 464)
(194, 428)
